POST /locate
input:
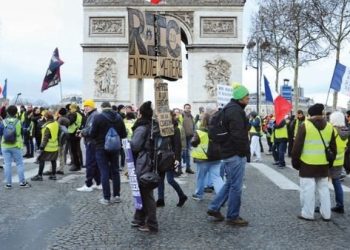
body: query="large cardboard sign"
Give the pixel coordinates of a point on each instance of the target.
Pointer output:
(154, 46)
(162, 107)
(224, 94)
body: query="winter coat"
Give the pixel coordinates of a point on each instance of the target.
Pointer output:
(102, 123)
(85, 132)
(343, 133)
(306, 170)
(188, 124)
(238, 126)
(141, 146)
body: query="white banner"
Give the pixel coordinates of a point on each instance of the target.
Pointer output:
(224, 94)
(345, 85)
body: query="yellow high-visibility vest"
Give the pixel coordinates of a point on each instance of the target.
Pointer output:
(341, 147)
(281, 132)
(200, 152)
(52, 144)
(77, 124)
(314, 151)
(128, 126)
(253, 129)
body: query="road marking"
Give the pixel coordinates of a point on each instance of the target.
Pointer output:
(279, 179)
(27, 174)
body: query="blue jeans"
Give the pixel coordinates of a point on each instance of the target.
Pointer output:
(186, 152)
(234, 168)
(172, 182)
(338, 190)
(208, 168)
(13, 154)
(109, 168)
(279, 150)
(92, 172)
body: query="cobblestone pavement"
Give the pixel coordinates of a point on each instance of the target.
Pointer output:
(52, 215)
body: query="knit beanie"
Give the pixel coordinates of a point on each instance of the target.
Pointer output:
(239, 92)
(316, 109)
(146, 110)
(106, 105)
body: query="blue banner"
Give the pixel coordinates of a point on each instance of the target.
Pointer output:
(134, 185)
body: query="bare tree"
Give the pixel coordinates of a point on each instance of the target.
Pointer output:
(332, 17)
(303, 37)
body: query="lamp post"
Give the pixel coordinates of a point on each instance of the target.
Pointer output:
(17, 97)
(259, 47)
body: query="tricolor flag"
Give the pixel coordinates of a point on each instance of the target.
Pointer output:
(341, 79)
(281, 105)
(53, 76)
(155, 1)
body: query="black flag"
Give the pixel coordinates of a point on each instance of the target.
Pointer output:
(53, 76)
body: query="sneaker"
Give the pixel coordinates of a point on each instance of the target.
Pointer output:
(339, 210)
(257, 160)
(97, 187)
(25, 185)
(47, 173)
(115, 199)
(8, 186)
(103, 201)
(85, 189)
(182, 201)
(37, 178)
(326, 220)
(216, 214)
(60, 172)
(160, 203)
(135, 224)
(237, 222)
(52, 177)
(196, 197)
(74, 168)
(144, 228)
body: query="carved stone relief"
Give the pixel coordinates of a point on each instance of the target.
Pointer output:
(218, 27)
(106, 78)
(107, 25)
(218, 72)
(185, 16)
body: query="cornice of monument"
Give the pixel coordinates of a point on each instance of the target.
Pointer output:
(88, 3)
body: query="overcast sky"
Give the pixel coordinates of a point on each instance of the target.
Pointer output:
(31, 30)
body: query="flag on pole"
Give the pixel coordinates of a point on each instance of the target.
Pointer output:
(281, 105)
(53, 76)
(341, 79)
(4, 90)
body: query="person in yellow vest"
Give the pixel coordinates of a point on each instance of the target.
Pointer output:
(205, 165)
(294, 126)
(309, 157)
(342, 134)
(48, 147)
(255, 134)
(129, 121)
(11, 146)
(76, 120)
(280, 139)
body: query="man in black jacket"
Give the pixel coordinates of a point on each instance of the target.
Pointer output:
(234, 155)
(107, 162)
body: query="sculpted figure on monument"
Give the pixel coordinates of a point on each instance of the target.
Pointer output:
(106, 78)
(218, 72)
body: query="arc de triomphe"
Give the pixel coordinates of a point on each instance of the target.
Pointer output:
(210, 29)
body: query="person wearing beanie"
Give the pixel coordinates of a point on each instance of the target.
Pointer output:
(342, 134)
(234, 153)
(107, 162)
(146, 218)
(49, 147)
(309, 157)
(92, 171)
(75, 123)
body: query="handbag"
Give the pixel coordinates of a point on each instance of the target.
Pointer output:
(330, 156)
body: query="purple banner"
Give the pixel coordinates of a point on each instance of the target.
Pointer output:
(134, 185)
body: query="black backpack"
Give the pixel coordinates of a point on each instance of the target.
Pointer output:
(217, 133)
(165, 156)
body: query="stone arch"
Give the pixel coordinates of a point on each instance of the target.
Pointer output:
(186, 33)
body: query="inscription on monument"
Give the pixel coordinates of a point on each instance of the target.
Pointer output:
(107, 25)
(106, 78)
(218, 27)
(218, 72)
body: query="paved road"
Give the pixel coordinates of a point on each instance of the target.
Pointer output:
(52, 215)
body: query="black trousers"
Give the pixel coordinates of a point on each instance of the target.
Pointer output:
(148, 214)
(75, 150)
(42, 165)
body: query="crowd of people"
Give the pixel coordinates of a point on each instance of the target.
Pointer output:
(318, 149)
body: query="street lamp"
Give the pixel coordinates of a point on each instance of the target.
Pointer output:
(260, 45)
(17, 97)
